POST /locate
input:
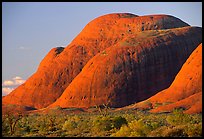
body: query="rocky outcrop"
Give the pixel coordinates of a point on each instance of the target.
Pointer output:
(62, 65)
(190, 105)
(132, 70)
(186, 90)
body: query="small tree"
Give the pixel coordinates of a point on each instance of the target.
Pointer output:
(105, 107)
(12, 121)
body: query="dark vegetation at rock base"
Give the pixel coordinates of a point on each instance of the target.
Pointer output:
(130, 123)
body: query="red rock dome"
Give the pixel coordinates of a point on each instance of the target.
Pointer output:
(61, 65)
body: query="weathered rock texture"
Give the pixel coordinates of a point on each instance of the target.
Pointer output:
(124, 46)
(186, 90)
(132, 70)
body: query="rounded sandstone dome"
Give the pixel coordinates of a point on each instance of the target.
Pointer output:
(60, 67)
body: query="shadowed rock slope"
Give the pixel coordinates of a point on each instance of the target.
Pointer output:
(107, 33)
(132, 70)
(185, 92)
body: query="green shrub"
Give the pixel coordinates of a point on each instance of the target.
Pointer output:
(24, 125)
(178, 118)
(136, 128)
(194, 130)
(102, 124)
(157, 132)
(118, 122)
(153, 125)
(69, 125)
(124, 131)
(106, 125)
(196, 119)
(178, 131)
(42, 124)
(5, 127)
(130, 117)
(139, 128)
(126, 123)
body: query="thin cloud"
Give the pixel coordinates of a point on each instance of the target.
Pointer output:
(17, 78)
(6, 91)
(10, 85)
(18, 82)
(15, 81)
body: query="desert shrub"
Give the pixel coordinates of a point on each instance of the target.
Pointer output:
(71, 122)
(118, 122)
(42, 124)
(157, 132)
(106, 125)
(178, 131)
(60, 120)
(139, 128)
(102, 124)
(77, 126)
(109, 122)
(5, 127)
(136, 128)
(24, 125)
(51, 122)
(124, 131)
(153, 124)
(69, 125)
(196, 119)
(11, 122)
(85, 127)
(155, 121)
(178, 118)
(194, 130)
(126, 123)
(130, 117)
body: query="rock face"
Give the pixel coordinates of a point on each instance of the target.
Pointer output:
(132, 70)
(186, 90)
(122, 52)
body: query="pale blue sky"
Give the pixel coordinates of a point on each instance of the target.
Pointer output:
(30, 30)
